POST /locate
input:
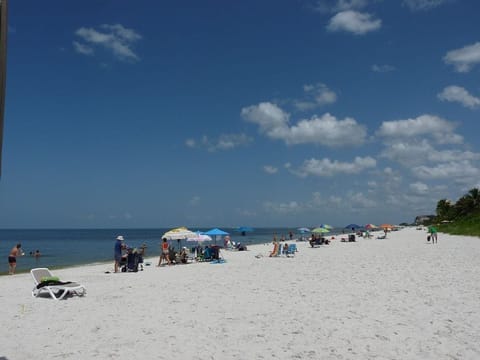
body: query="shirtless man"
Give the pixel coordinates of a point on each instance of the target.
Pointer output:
(12, 258)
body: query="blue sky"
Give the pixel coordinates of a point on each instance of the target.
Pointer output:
(141, 113)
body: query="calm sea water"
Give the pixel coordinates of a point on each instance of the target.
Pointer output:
(63, 248)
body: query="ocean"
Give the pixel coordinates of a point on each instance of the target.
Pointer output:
(71, 247)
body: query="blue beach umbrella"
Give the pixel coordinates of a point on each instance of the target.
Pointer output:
(303, 230)
(353, 226)
(214, 232)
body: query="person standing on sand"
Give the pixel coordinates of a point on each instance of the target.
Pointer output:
(12, 258)
(165, 253)
(433, 234)
(118, 248)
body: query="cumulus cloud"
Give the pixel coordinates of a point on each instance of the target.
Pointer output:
(325, 130)
(382, 68)
(282, 208)
(425, 125)
(410, 153)
(464, 59)
(456, 169)
(458, 94)
(359, 200)
(419, 188)
(354, 22)
(326, 167)
(224, 142)
(417, 5)
(82, 48)
(115, 38)
(270, 169)
(339, 5)
(317, 95)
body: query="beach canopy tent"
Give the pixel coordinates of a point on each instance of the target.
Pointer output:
(216, 232)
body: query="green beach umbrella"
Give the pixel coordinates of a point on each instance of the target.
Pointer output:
(320, 230)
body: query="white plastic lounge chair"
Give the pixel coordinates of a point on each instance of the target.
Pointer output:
(45, 282)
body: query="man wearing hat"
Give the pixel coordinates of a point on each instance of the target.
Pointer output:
(119, 245)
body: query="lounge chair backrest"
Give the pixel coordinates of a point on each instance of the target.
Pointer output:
(40, 273)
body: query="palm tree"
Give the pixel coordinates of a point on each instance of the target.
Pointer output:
(445, 210)
(474, 195)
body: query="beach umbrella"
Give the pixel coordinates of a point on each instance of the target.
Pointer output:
(215, 232)
(199, 238)
(352, 226)
(320, 230)
(386, 226)
(179, 234)
(303, 230)
(370, 226)
(326, 226)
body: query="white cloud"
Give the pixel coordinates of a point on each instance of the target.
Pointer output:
(417, 5)
(419, 188)
(410, 153)
(458, 94)
(464, 59)
(283, 208)
(115, 38)
(339, 5)
(224, 142)
(82, 48)
(354, 22)
(326, 167)
(455, 169)
(425, 125)
(270, 169)
(318, 95)
(359, 200)
(325, 130)
(382, 68)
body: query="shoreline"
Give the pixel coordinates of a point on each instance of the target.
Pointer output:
(398, 298)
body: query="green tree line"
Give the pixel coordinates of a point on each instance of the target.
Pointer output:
(461, 217)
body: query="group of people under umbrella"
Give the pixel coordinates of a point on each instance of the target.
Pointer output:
(184, 234)
(317, 234)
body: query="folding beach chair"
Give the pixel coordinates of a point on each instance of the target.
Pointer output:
(45, 282)
(292, 249)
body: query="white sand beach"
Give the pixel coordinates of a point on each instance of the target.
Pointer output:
(399, 298)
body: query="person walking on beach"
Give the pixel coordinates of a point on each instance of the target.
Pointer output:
(12, 258)
(433, 234)
(165, 253)
(118, 249)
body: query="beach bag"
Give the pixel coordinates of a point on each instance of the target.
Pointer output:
(428, 238)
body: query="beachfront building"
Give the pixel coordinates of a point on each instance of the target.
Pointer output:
(423, 219)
